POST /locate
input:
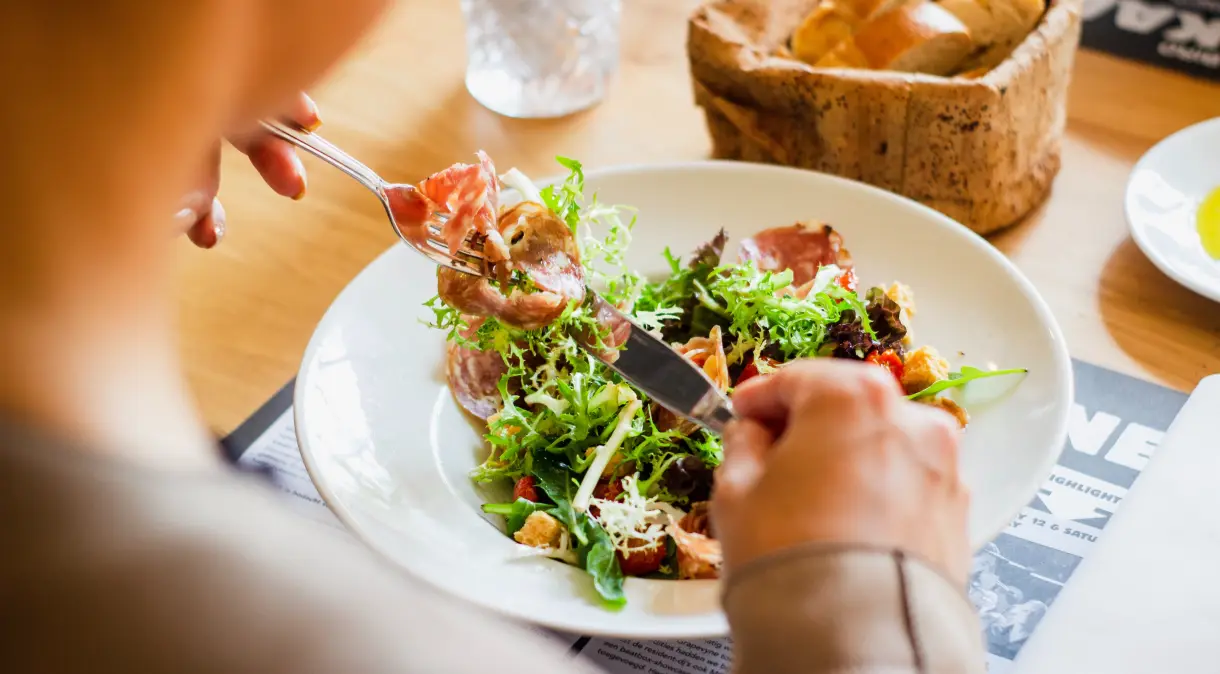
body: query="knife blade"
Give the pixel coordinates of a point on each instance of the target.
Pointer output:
(657, 369)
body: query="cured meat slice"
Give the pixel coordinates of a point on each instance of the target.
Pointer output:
(468, 193)
(474, 376)
(708, 354)
(699, 555)
(803, 248)
(542, 248)
(613, 333)
(476, 295)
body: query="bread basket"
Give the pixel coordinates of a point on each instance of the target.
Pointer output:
(983, 151)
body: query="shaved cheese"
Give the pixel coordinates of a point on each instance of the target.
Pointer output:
(634, 520)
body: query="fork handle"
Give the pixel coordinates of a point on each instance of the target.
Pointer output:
(327, 152)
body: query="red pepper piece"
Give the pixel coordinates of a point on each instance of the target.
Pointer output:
(526, 488)
(887, 359)
(848, 280)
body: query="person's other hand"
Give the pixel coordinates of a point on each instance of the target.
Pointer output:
(829, 451)
(201, 214)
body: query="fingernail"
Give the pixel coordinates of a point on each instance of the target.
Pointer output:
(218, 220)
(186, 218)
(300, 168)
(316, 123)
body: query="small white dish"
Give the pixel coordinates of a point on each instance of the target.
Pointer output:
(390, 450)
(1163, 196)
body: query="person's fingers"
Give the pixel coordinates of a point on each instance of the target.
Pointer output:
(278, 164)
(746, 444)
(275, 160)
(303, 111)
(210, 229)
(817, 383)
(936, 438)
(197, 203)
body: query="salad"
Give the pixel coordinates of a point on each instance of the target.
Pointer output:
(602, 477)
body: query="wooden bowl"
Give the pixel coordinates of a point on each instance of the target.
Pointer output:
(982, 151)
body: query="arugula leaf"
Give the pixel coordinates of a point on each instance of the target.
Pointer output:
(565, 201)
(601, 562)
(555, 478)
(515, 513)
(594, 549)
(669, 568)
(957, 379)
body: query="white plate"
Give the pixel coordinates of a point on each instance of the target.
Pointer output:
(1163, 195)
(390, 450)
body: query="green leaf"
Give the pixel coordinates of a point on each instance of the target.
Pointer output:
(564, 201)
(515, 513)
(958, 379)
(594, 549)
(601, 562)
(669, 568)
(555, 478)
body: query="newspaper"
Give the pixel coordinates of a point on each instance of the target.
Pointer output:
(1116, 424)
(1182, 35)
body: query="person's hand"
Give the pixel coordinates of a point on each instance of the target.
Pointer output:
(828, 451)
(200, 213)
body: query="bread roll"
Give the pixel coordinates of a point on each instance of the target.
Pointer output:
(997, 25)
(826, 26)
(924, 38)
(833, 21)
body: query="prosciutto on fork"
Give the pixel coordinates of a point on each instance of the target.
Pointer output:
(469, 194)
(533, 262)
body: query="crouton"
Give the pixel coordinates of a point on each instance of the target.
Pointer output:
(905, 299)
(922, 368)
(540, 531)
(903, 296)
(948, 405)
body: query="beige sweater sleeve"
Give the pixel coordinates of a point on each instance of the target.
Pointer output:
(824, 610)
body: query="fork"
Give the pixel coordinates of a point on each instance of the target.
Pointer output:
(642, 358)
(469, 259)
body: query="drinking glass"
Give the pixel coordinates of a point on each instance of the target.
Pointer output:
(540, 58)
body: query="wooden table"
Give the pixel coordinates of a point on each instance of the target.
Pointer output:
(249, 306)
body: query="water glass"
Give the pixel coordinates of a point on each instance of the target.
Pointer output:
(540, 58)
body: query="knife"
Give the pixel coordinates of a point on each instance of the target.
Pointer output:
(657, 369)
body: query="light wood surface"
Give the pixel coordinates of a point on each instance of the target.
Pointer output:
(249, 306)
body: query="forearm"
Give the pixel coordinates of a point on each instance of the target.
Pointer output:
(825, 609)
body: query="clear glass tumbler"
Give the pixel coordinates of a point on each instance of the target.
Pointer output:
(540, 58)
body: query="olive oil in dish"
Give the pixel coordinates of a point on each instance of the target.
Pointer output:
(1208, 219)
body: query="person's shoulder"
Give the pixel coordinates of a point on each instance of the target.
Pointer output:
(202, 576)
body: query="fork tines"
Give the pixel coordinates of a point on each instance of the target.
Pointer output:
(469, 258)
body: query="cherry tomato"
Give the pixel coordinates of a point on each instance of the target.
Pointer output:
(643, 560)
(607, 490)
(526, 488)
(848, 280)
(887, 359)
(751, 369)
